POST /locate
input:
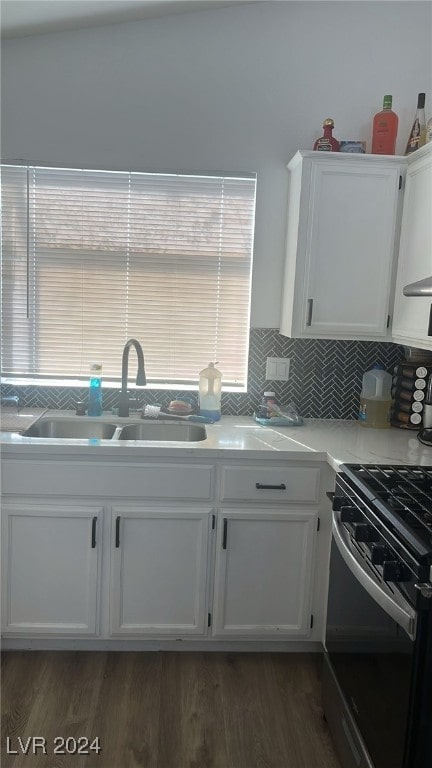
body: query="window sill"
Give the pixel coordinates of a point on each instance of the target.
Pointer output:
(80, 384)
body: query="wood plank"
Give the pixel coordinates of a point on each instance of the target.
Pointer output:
(191, 726)
(128, 712)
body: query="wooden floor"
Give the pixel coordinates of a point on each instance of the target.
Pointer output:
(167, 710)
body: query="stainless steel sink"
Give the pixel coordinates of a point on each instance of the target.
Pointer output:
(160, 430)
(85, 428)
(71, 428)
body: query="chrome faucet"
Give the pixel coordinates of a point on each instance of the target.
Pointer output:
(141, 380)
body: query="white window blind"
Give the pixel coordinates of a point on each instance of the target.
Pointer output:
(92, 258)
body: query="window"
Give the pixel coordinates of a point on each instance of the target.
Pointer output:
(92, 258)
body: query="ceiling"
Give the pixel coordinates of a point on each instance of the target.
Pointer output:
(20, 18)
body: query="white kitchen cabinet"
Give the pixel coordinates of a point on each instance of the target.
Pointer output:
(155, 569)
(159, 570)
(50, 568)
(343, 220)
(264, 569)
(412, 323)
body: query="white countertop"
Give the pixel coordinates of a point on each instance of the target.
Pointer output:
(332, 440)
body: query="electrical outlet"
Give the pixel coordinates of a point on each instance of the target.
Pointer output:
(277, 368)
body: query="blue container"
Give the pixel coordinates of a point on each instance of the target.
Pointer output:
(95, 390)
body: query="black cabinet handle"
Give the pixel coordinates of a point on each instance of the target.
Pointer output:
(117, 534)
(430, 322)
(93, 539)
(225, 533)
(261, 487)
(309, 312)
(330, 495)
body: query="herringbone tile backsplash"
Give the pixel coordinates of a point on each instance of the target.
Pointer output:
(325, 378)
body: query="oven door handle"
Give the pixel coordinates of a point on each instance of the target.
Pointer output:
(401, 612)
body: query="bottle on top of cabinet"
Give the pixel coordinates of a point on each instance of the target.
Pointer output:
(210, 386)
(417, 137)
(384, 129)
(327, 143)
(375, 398)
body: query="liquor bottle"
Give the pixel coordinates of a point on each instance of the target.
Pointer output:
(417, 137)
(327, 143)
(384, 129)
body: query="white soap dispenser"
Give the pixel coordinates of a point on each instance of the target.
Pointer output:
(210, 385)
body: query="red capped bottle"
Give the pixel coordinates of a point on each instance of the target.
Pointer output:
(327, 143)
(384, 129)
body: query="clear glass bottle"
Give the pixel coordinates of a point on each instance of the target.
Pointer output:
(327, 143)
(417, 137)
(384, 129)
(95, 390)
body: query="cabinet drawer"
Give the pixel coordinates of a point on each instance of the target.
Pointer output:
(297, 484)
(161, 481)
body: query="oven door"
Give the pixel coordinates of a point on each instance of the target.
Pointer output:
(369, 643)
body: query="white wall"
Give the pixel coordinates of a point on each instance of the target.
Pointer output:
(233, 89)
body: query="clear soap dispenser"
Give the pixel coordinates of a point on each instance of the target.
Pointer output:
(210, 385)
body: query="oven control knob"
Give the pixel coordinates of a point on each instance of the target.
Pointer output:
(379, 552)
(339, 502)
(351, 515)
(394, 570)
(365, 532)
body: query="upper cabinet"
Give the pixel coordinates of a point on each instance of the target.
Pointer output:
(343, 223)
(413, 315)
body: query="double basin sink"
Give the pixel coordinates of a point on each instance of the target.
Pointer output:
(85, 428)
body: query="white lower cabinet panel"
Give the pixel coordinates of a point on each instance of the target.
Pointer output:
(263, 579)
(50, 566)
(159, 571)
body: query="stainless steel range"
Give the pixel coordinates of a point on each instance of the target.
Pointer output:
(377, 681)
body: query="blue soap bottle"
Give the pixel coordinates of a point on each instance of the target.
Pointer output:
(95, 390)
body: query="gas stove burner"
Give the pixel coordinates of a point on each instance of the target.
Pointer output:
(401, 497)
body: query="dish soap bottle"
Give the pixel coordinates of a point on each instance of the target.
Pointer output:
(210, 381)
(375, 398)
(95, 390)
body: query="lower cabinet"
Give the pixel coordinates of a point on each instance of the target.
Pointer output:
(236, 563)
(50, 568)
(264, 568)
(159, 571)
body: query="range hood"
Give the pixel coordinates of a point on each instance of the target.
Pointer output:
(420, 288)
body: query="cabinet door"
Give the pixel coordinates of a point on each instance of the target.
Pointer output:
(50, 562)
(159, 571)
(264, 566)
(413, 314)
(341, 246)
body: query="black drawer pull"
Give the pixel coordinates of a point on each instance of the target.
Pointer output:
(117, 533)
(225, 533)
(93, 538)
(261, 487)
